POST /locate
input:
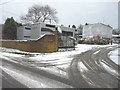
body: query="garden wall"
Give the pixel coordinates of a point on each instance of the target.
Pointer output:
(46, 44)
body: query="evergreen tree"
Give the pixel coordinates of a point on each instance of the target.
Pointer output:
(73, 26)
(86, 23)
(10, 29)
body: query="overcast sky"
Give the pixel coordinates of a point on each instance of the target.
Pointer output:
(69, 11)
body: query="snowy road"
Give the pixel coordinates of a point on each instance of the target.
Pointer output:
(98, 72)
(32, 77)
(87, 68)
(10, 82)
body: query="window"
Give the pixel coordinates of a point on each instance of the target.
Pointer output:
(67, 33)
(27, 36)
(27, 28)
(46, 29)
(48, 25)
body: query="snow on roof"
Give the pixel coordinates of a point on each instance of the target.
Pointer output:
(99, 23)
(116, 35)
(37, 24)
(72, 38)
(59, 30)
(40, 37)
(63, 28)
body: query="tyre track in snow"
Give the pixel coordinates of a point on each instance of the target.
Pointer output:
(82, 79)
(104, 56)
(37, 72)
(10, 82)
(96, 76)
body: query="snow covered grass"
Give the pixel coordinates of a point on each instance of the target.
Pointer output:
(115, 55)
(66, 55)
(10, 54)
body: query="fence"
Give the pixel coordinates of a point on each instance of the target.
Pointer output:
(65, 42)
(46, 44)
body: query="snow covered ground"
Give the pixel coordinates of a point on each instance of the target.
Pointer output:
(115, 56)
(114, 72)
(56, 62)
(31, 80)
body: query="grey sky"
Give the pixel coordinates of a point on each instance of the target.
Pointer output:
(69, 13)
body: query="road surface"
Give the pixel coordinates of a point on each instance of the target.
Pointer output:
(95, 75)
(87, 70)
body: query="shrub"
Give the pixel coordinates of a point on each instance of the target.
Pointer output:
(94, 41)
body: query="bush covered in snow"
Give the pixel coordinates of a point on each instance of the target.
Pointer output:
(93, 41)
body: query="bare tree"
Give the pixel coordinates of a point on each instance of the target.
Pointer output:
(80, 26)
(80, 29)
(38, 13)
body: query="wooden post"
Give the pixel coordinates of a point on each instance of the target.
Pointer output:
(56, 39)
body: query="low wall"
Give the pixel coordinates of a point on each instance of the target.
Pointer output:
(46, 44)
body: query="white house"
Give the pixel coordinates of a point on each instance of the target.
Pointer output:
(34, 31)
(67, 31)
(91, 30)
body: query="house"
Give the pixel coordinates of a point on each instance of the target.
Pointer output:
(34, 31)
(67, 31)
(78, 33)
(116, 38)
(98, 29)
(66, 37)
(116, 31)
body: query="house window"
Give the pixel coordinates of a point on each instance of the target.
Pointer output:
(76, 30)
(67, 33)
(27, 28)
(47, 30)
(27, 36)
(48, 25)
